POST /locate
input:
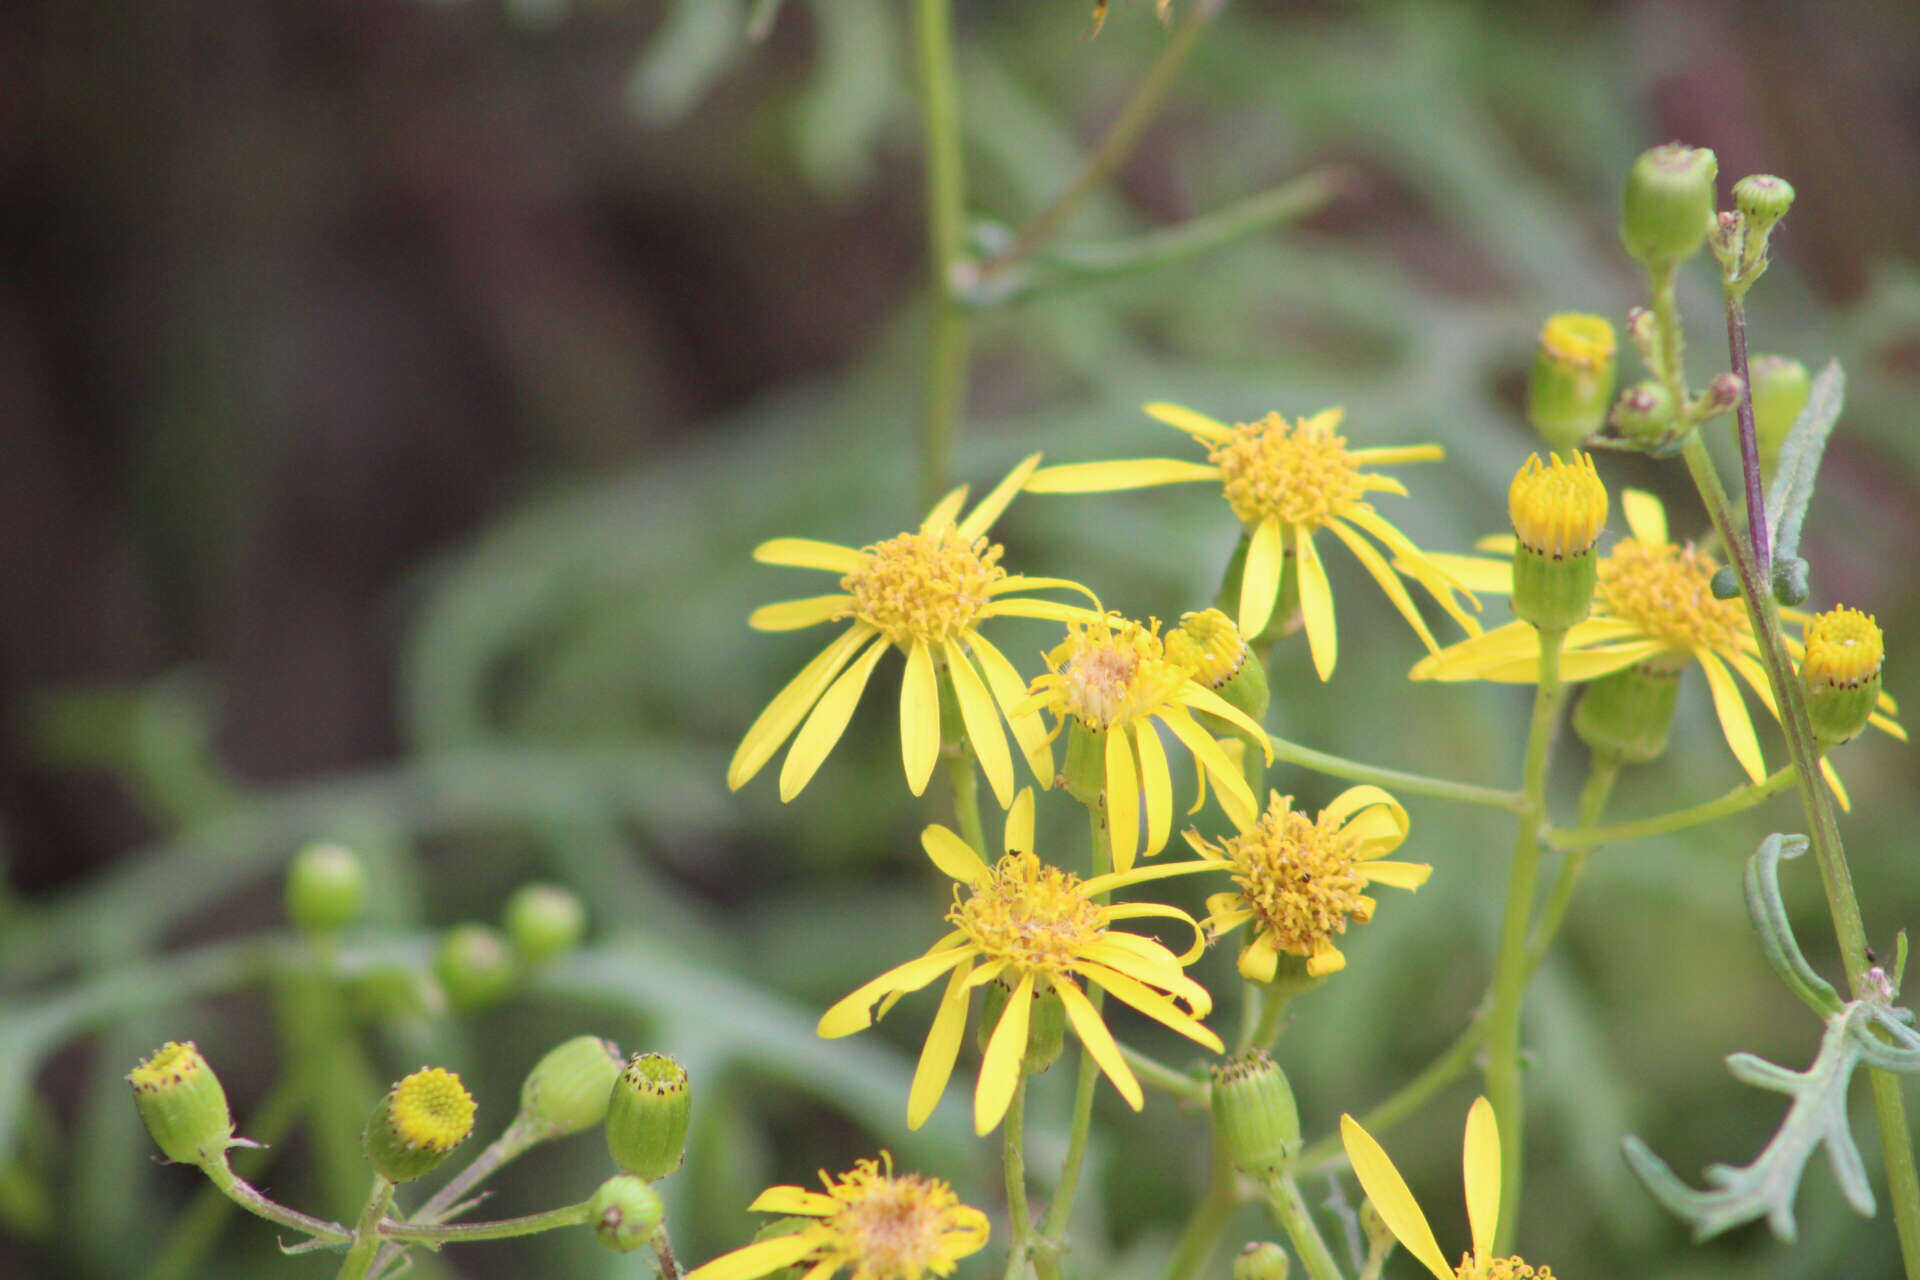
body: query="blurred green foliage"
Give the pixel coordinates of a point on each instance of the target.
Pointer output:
(574, 674)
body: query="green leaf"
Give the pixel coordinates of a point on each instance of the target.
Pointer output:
(1800, 459)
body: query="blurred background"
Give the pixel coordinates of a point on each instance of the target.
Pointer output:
(391, 393)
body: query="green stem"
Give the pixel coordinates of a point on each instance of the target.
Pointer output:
(1114, 147)
(507, 1147)
(1740, 798)
(1601, 776)
(1291, 1211)
(1453, 1062)
(1013, 1156)
(247, 1197)
(1510, 963)
(1666, 316)
(1749, 438)
(366, 1233)
(1396, 781)
(949, 335)
(1209, 1218)
(187, 1244)
(1164, 1078)
(1836, 879)
(439, 1233)
(1273, 1008)
(966, 797)
(663, 1255)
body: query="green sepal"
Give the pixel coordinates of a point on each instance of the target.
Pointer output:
(1553, 592)
(1046, 1026)
(183, 1104)
(1629, 712)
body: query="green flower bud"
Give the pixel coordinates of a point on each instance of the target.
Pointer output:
(475, 966)
(1668, 207)
(1629, 712)
(1724, 584)
(544, 921)
(1841, 674)
(647, 1116)
(1644, 412)
(1254, 1116)
(183, 1104)
(420, 1121)
(1261, 1260)
(1046, 1026)
(1780, 390)
(568, 1090)
(1572, 380)
(1762, 200)
(1558, 511)
(326, 888)
(625, 1213)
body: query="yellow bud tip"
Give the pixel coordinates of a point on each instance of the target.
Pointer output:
(1558, 508)
(431, 1110)
(1844, 648)
(172, 1064)
(1580, 340)
(1209, 644)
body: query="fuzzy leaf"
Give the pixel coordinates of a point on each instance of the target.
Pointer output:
(1800, 460)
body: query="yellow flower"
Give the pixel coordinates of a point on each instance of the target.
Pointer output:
(1113, 677)
(1301, 878)
(1287, 481)
(1033, 928)
(1480, 1160)
(1653, 606)
(880, 1226)
(925, 593)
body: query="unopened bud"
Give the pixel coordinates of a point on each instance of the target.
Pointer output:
(1762, 200)
(1558, 511)
(183, 1104)
(1211, 645)
(1841, 674)
(625, 1213)
(568, 1090)
(1254, 1114)
(1644, 412)
(647, 1116)
(1780, 390)
(1261, 1260)
(475, 967)
(326, 887)
(544, 921)
(1572, 379)
(1629, 713)
(1722, 394)
(420, 1121)
(1668, 206)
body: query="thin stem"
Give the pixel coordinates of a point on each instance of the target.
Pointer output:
(247, 1197)
(966, 796)
(663, 1255)
(1510, 963)
(1740, 798)
(949, 333)
(1013, 1156)
(366, 1233)
(1164, 1078)
(1454, 1061)
(1272, 1010)
(503, 1149)
(1666, 316)
(1209, 1217)
(1396, 781)
(1114, 147)
(1749, 440)
(1291, 1211)
(1601, 776)
(1836, 879)
(190, 1240)
(438, 1233)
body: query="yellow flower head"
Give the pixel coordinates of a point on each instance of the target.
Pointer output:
(1558, 509)
(1115, 678)
(925, 593)
(1480, 1161)
(1581, 341)
(1034, 928)
(1844, 649)
(878, 1225)
(431, 1110)
(1653, 605)
(1301, 879)
(1210, 644)
(1286, 481)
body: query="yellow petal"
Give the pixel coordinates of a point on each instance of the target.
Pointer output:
(1392, 455)
(1236, 798)
(1019, 834)
(1260, 578)
(1735, 723)
(827, 722)
(792, 615)
(1388, 1191)
(1001, 1067)
(761, 1258)
(1198, 425)
(1156, 786)
(981, 518)
(1414, 563)
(1646, 518)
(1122, 797)
(1475, 573)
(1401, 875)
(953, 855)
(809, 553)
(945, 511)
(793, 1200)
(1131, 991)
(1022, 582)
(1110, 477)
(1099, 1043)
(1201, 699)
(1389, 581)
(1316, 603)
(1480, 1163)
(942, 1048)
(919, 717)
(791, 704)
(1259, 960)
(1364, 796)
(1009, 690)
(1026, 607)
(854, 1011)
(982, 721)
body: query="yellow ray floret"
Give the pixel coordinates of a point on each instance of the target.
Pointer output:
(1286, 481)
(925, 592)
